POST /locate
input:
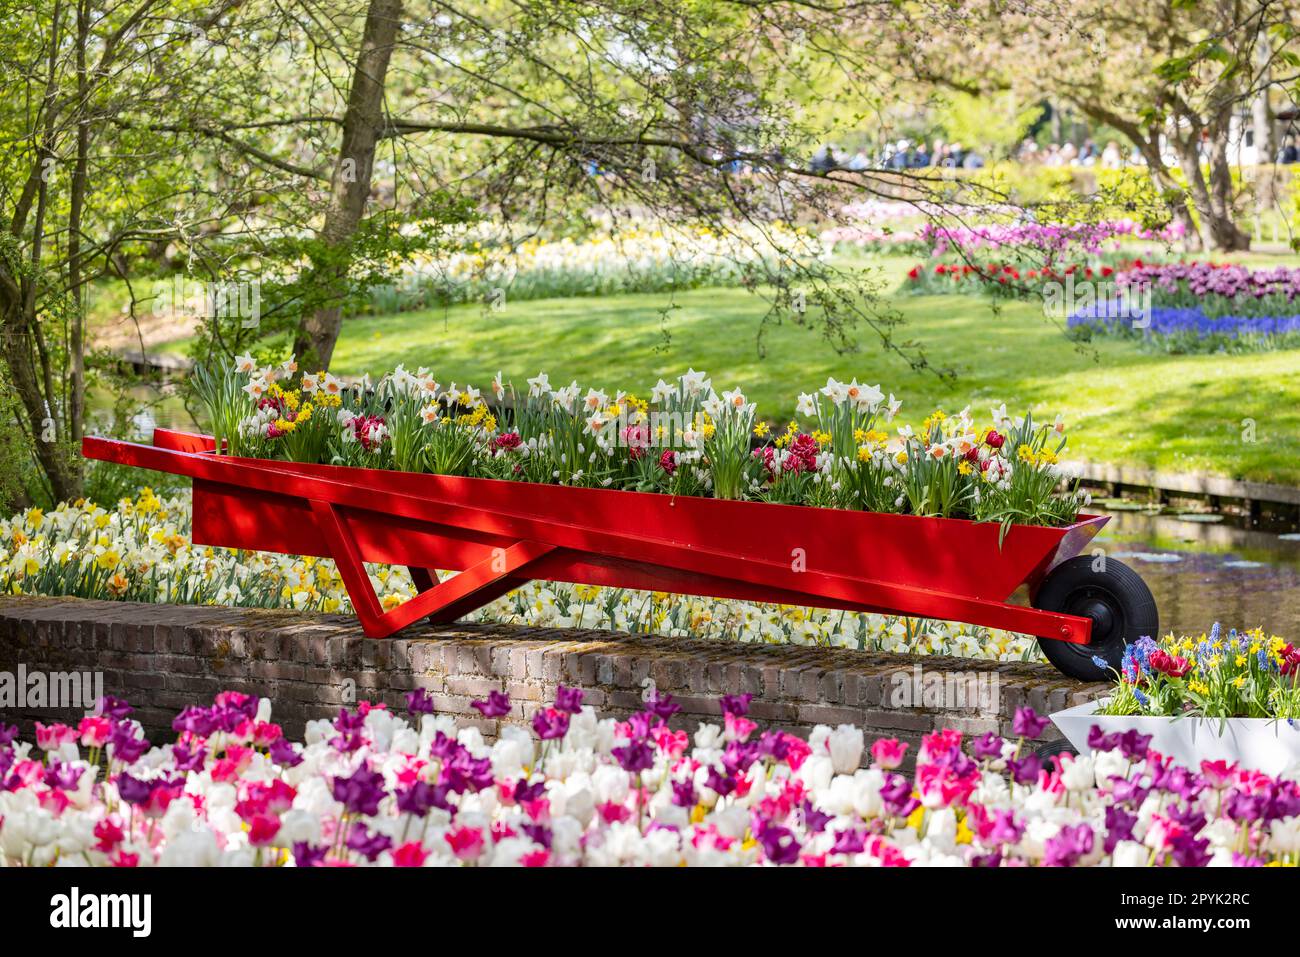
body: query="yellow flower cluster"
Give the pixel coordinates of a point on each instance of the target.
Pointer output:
(140, 550)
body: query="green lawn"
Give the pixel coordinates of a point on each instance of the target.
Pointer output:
(1123, 405)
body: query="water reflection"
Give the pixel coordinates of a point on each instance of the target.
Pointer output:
(1203, 571)
(144, 406)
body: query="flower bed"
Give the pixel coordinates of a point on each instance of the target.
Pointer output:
(372, 788)
(1232, 698)
(1002, 279)
(1217, 289)
(1238, 675)
(936, 230)
(628, 262)
(1202, 307)
(140, 550)
(1044, 239)
(685, 440)
(1188, 330)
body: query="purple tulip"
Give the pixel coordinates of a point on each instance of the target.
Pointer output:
(636, 756)
(684, 794)
(1119, 827)
(125, 746)
(443, 747)
(467, 773)
(1191, 851)
(525, 791)
(360, 793)
(568, 700)
(662, 705)
(197, 721)
(1133, 745)
(1098, 740)
(419, 702)
(349, 721)
(774, 745)
(736, 705)
(284, 754)
(416, 800)
(62, 775)
(1128, 792)
(780, 846)
(192, 759)
(642, 723)
(814, 819)
(1028, 723)
(113, 708)
(1006, 829)
(496, 705)
(305, 855)
(739, 756)
(366, 843)
(721, 784)
(987, 746)
(896, 788)
(550, 723)
(1068, 846)
(850, 841)
(133, 790)
(1025, 770)
(539, 833)
(896, 793)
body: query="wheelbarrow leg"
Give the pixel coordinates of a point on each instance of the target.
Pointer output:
(423, 578)
(441, 602)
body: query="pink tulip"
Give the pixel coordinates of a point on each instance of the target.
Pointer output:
(410, 854)
(54, 736)
(95, 731)
(888, 753)
(466, 842)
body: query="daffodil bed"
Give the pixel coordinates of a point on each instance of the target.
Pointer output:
(140, 550)
(489, 267)
(373, 788)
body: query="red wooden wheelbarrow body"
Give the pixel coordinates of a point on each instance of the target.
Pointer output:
(501, 534)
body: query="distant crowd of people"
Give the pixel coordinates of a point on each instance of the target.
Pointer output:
(1110, 156)
(905, 154)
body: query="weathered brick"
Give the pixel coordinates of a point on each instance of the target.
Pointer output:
(164, 658)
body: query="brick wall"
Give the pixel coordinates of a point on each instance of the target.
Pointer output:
(164, 657)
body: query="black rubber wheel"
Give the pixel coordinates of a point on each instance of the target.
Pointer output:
(1117, 600)
(1051, 748)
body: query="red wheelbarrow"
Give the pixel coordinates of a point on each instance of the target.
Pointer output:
(501, 534)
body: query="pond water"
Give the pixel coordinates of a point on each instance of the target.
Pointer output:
(146, 407)
(1203, 569)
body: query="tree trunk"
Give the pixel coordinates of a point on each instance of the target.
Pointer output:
(61, 468)
(1261, 111)
(363, 122)
(1167, 186)
(1212, 200)
(1148, 144)
(76, 400)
